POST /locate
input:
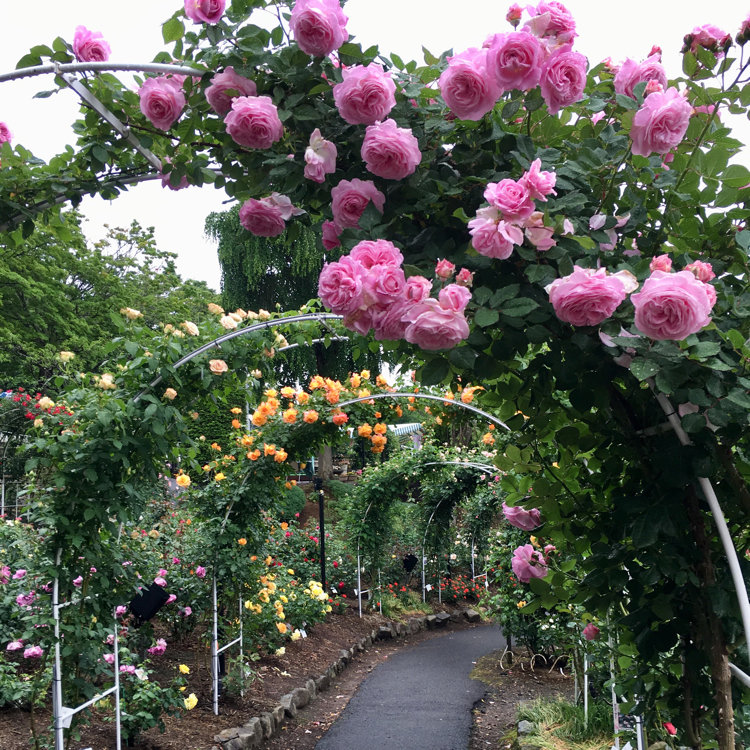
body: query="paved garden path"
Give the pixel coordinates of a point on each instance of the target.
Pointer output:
(420, 699)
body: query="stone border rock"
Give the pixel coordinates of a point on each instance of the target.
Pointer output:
(258, 729)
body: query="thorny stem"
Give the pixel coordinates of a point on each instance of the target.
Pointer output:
(611, 182)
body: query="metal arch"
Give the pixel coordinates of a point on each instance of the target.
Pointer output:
(216, 343)
(98, 67)
(446, 401)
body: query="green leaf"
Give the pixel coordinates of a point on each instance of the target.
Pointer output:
(626, 102)
(463, 357)
(435, 371)
(173, 30)
(485, 317)
(517, 308)
(643, 368)
(735, 175)
(705, 349)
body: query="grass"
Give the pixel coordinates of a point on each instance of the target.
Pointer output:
(559, 725)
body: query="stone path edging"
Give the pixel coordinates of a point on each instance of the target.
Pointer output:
(258, 729)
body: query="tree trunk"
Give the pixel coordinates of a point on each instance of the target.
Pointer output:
(711, 630)
(325, 463)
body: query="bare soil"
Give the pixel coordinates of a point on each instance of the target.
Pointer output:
(494, 715)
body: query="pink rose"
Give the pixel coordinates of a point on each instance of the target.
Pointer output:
(187, 612)
(78, 582)
(127, 669)
(371, 253)
(631, 73)
(171, 598)
(19, 574)
(493, 237)
(511, 198)
(586, 297)
(5, 134)
(89, 46)
(670, 728)
(15, 645)
(467, 86)
(204, 11)
(553, 22)
(109, 658)
(522, 518)
(349, 200)
(388, 322)
(162, 101)
(366, 95)
(261, 218)
(120, 610)
(166, 178)
(417, 289)
(432, 327)
(661, 263)
(320, 157)
(319, 26)
(515, 60)
(711, 37)
(200, 571)
(661, 122)
(539, 235)
(444, 269)
(563, 79)
(331, 232)
(254, 122)
(340, 286)
(382, 285)
(389, 151)
(591, 632)
(33, 652)
(159, 648)
(702, 271)
(465, 277)
(539, 184)
(454, 297)
(159, 581)
(671, 306)
(528, 563)
(5, 574)
(513, 16)
(225, 86)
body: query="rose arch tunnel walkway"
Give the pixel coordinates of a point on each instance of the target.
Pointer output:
(419, 699)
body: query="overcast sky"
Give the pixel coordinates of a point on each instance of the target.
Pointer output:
(133, 30)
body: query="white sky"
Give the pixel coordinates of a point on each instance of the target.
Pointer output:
(133, 30)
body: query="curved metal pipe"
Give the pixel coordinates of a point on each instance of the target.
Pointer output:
(98, 67)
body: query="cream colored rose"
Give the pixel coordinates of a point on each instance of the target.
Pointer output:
(263, 314)
(38, 422)
(241, 313)
(66, 356)
(45, 402)
(215, 309)
(130, 313)
(178, 334)
(217, 366)
(190, 327)
(170, 393)
(252, 315)
(169, 328)
(106, 382)
(236, 317)
(228, 322)
(257, 374)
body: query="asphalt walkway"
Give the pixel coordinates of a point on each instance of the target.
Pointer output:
(420, 699)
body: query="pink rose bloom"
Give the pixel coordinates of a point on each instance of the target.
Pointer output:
(467, 86)
(586, 297)
(552, 21)
(591, 632)
(515, 60)
(528, 563)
(539, 184)
(671, 306)
(159, 581)
(454, 297)
(653, 87)
(702, 271)
(171, 598)
(159, 648)
(382, 285)
(204, 11)
(162, 101)
(511, 198)
(109, 658)
(563, 79)
(187, 612)
(388, 323)
(226, 86)
(319, 26)
(432, 326)
(200, 571)
(631, 73)
(120, 610)
(33, 652)
(340, 286)
(493, 237)
(706, 109)
(390, 152)
(514, 13)
(15, 645)
(331, 233)
(661, 122)
(127, 669)
(418, 288)
(19, 574)
(539, 235)
(444, 269)
(366, 95)
(465, 277)
(320, 157)
(89, 46)
(661, 263)
(711, 37)
(4, 574)
(670, 728)
(262, 218)
(5, 134)
(522, 518)
(349, 200)
(78, 582)
(371, 253)
(175, 561)
(166, 179)
(254, 122)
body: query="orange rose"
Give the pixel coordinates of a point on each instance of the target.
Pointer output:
(310, 416)
(364, 430)
(236, 410)
(287, 392)
(380, 428)
(254, 455)
(332, 396)
(317, 382)
(355, 381)
(183, 480)
(290, 416)
(268, 450)
(280, 456)
(302, 397)
(242, 542)
(236, 424)
(339, 419)
(487, 439)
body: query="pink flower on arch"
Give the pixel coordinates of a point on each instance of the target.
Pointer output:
(366, 95)
(512, 198)
(226, 86)
(331, 232)
(591, 632)
(492, 236)
(33, 652)
(528, 563)
(320, 157)
(161, 101)
(631, 73)
(563, 79)
(444, 269)
(340, 286)
(319, 26)
(661, 122)
(267, 217)
(660, 263)
(515, 60)
(90, 46)
(701, 270)
(254, 122)
(468, 86)
(205, 11)
(159, 648)
(551, 21)
(433, 326)
(539, 183)
(349, 200)
(390, 152)
(522, 518)
(200, 571)
(15, 645)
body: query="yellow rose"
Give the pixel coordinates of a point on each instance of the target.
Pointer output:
(183, 480)
(184, 669)
(130, 313)
(191, 701)
(220, 476)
